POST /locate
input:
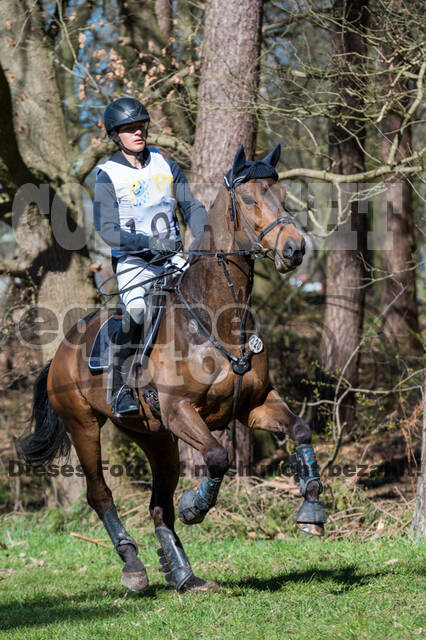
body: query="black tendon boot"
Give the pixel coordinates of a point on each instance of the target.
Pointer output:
(125, 345)
(311, 516)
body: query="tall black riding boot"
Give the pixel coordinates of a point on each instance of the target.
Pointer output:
(125, 344)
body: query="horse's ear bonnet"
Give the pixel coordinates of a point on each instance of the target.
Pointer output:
(244, 170)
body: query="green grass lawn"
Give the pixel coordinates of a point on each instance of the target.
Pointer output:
(57, 587)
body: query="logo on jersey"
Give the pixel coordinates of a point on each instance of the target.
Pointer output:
(137, 192)
(163, 183)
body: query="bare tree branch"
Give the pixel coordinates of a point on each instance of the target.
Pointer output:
(89, 158)
(363, 176)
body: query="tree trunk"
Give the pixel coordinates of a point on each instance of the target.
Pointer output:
(37, 137)
(163, 11)
(36, 151)
(344, 266)
(227, 94)
(419, 516)
(225, 119)
(399, 290)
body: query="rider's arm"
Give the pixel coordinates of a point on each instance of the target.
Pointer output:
(107, 221)
(194, 213)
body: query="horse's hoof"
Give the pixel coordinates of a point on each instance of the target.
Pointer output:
(135, 581)
(188, 511)
(311, 513)
(311, 528)
(198, 585)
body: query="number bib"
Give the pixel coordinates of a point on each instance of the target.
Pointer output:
(145, 198)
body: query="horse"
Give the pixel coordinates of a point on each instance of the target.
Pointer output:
(219, 376)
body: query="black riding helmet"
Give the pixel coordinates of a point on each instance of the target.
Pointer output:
(124, 111)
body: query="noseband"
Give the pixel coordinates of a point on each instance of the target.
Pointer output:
(237, 215)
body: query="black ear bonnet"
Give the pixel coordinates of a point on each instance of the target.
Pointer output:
(244, 170)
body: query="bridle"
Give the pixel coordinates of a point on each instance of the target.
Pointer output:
(240, 364)
(239, 218)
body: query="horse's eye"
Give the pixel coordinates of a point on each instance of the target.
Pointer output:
(248, 199)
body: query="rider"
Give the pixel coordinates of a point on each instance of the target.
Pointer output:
(134, 212)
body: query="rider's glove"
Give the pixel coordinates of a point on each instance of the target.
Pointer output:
(163, 246)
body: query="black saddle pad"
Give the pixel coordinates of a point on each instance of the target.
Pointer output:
(99, 355)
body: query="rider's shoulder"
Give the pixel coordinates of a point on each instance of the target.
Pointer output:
(102, 176)
(103, 168)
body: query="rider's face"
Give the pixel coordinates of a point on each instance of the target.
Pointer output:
(133, 136)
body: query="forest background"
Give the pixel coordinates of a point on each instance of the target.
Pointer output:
(341, 85)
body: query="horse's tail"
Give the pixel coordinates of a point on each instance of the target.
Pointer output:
(49, 438)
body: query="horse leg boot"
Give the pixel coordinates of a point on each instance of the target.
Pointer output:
(274, 415)
(162, 452)
(174, 561)
(194, 505)
(185, 422)
(134, 574)
(125, 345)
(311, 516)
(86, 439)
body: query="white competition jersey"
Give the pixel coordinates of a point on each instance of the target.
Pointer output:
(145, 200)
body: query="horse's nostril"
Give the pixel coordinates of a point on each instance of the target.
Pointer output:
(289, 248)
(303, 246)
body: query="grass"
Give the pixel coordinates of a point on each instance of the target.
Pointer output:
(55, 586)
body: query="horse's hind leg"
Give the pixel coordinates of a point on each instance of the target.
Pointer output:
(85, 432)
(163, 455)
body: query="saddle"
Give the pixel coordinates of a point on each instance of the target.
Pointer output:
(99, 359)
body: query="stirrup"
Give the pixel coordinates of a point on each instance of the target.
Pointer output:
(123, 403)
(150, 395)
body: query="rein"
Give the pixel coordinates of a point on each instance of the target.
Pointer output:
(242, 363)
(239, 364)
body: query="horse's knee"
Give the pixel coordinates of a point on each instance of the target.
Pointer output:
(301, 432)
(217, 461)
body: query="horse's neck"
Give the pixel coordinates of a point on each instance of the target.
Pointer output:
(218, 231)
(207, 282)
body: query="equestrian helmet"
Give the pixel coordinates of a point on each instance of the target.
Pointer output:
(124, 111)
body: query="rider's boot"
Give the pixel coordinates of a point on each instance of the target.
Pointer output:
(125, 344)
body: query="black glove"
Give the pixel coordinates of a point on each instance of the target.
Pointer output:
(163, 246)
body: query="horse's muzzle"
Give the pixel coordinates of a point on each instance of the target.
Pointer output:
(292, 253)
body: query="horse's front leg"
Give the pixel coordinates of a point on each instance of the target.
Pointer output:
(274, 415)
(184, 421)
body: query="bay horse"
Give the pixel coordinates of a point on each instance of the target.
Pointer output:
(218, 374)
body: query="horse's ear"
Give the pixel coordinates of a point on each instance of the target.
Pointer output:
(239, 162)
(273, 157)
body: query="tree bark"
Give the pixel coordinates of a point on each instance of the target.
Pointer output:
(37, 130)
(227, 93)
(398, 261)
(36, 152)
(225, 119)
(344, 267)
(163, 12)
(419, 516)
